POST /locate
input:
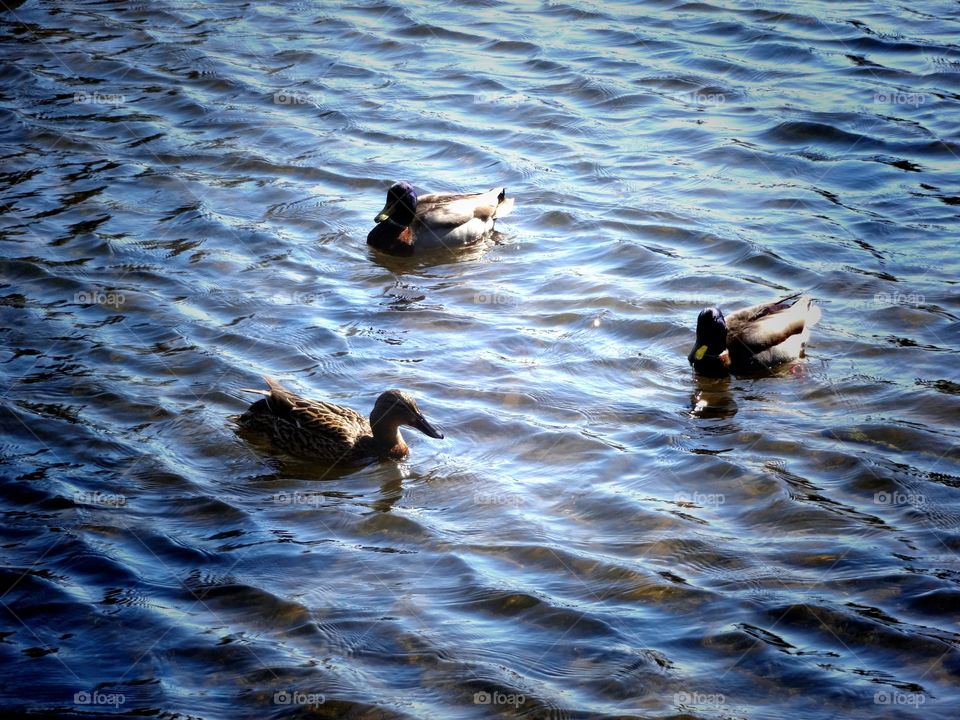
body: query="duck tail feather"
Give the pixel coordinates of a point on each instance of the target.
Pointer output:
(504, 207)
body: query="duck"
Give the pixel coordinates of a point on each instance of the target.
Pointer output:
(754, 339)
(334, 434)
(409, 223)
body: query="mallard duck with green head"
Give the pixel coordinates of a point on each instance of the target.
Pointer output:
(409, 223)
(754, 339)
(331, 433)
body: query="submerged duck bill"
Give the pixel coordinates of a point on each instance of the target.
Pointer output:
(427, 429)
(700, 352)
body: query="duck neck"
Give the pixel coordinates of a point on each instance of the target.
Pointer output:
(384, 232)
(716, 365)
(392, 237)
(717, 353)
(388, 440)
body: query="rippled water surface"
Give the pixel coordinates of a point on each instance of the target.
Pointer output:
(186, 190)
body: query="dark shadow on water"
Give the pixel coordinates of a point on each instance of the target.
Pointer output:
(712, 399)
(441, 256)
(389, 474)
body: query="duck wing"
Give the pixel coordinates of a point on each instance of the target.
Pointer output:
(452, 209)
(767, 325)
(314, 419)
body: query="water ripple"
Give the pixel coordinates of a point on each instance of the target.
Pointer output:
(185, 193)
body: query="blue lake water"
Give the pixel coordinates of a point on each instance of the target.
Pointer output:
(186, 189)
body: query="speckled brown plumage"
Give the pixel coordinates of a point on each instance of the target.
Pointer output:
(332, 433)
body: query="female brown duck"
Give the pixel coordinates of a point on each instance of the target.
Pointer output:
(332, 433)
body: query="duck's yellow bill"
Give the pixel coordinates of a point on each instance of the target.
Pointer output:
(384, 214)
(701, 351)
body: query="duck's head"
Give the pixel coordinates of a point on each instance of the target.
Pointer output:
(711, 341)
(401, 204)
(395, 408)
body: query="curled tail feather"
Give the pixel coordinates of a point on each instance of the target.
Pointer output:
(504, 204)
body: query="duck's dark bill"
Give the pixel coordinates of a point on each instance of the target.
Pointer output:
(427, 429)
